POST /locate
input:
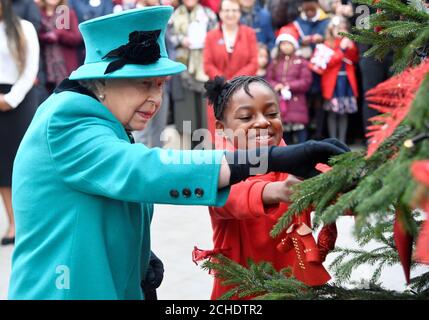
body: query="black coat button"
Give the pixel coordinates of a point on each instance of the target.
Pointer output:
(186, 192)
(174, 193)
(199, 192)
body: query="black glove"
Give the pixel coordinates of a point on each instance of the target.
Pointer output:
(154, 276)
(299, 159)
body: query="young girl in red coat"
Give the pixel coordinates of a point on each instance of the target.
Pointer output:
(247, 116)
(291, 79)
(339, 84)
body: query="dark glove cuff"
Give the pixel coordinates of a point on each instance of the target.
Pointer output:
(245, 163)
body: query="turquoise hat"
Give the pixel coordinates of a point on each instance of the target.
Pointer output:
(129, 44)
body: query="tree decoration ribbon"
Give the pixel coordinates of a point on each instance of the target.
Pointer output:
(142, 48)
(420, 171)
(200, 255)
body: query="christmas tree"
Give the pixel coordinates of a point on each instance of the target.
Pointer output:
(376, 187)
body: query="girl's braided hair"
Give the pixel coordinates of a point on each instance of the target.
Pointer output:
(219, 91)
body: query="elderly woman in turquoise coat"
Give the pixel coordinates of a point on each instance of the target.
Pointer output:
(83, 192)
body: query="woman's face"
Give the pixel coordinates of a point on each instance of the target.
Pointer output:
(252, 122)
(134, 102)
(190, 4)
(286, 48)
(230, 13)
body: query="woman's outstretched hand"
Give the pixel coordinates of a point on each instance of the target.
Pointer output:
(299, 160)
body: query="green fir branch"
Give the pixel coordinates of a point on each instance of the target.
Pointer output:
(262, 282)
(403, 29)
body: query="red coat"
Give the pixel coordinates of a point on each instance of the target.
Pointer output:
(241, 227)
(329, 76)
(242, 61)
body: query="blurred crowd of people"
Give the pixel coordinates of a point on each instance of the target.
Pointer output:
(297, 45)
(275, 39)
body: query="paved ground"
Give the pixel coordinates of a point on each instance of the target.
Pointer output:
(175, 231)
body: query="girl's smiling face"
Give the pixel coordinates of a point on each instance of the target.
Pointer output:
(252, 121)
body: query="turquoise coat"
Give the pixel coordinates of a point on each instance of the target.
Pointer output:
(83, 194)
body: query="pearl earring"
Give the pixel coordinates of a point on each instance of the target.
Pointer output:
(102, 97)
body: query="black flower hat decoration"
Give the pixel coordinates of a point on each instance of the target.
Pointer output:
(142, 48)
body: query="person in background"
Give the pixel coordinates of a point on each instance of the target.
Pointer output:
(190, 23)
(122, 5)
(258, 18)
(311, 26)
(89, 9)
(212, 4)
(342, 8)
(282, 11)
(263, 60)
(59, 44)
(19, 64)
(291, 79)
(131, 4)
(339, 84)
(230, 50)
(29, 10)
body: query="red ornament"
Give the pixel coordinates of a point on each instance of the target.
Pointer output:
(393, 98)
(404, 244)
(420, 171)
(323, 167)
(308, 267)
(326, 240)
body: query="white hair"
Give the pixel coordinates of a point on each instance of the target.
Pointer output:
(92, 84)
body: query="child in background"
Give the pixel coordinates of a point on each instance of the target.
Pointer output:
(247, 116)
(263, 60)
(339, 84)
(291, 79)
(310, 27)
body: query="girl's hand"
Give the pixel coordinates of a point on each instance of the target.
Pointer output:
(306, 40)
(279, 191)
(317, 38)
(4, 106)
(346, 43)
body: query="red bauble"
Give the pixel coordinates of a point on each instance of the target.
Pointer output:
(404, 244)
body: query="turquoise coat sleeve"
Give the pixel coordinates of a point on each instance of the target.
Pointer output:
(92, 154)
